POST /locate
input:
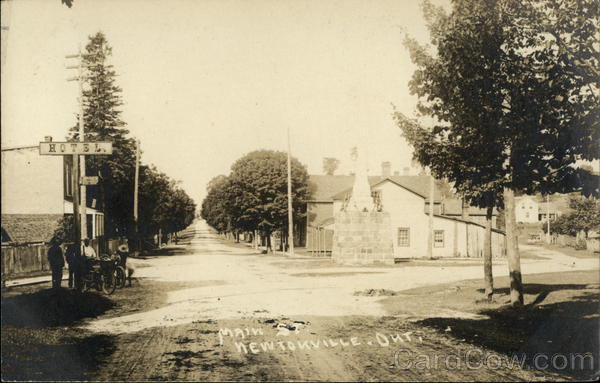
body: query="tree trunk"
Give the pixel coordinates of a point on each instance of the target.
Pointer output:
(269, 247)
(487, 255)
(430, 231)
(465, 217)
(512, 249)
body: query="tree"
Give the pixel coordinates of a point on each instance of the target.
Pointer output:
(584, 217)
(102, 121)
(330, 165)
(64, 231)
(164, 207)
(256, 196)
(214, 207)
(511, 87)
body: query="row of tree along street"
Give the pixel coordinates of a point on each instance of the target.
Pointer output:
(163, 206)
(512, 86)
(253, 198)
(512, 89)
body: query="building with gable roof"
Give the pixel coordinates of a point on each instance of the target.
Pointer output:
(406, 198)
(36, 194)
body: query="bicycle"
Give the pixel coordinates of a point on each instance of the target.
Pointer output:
(120, 275)
(101, 275)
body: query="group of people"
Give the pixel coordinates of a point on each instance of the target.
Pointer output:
(88, 256)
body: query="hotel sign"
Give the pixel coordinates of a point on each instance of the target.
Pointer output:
(67, 148)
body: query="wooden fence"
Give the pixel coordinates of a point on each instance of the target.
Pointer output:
(18, 261)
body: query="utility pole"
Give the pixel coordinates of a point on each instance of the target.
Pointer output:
(83, 201)
(547, 218)
(76, 216)
(430, 231)
(135, 196)
(289, 195)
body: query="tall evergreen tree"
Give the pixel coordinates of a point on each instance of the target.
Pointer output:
(102, 122)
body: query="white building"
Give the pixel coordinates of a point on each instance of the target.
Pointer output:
(526, 209)
(532, 209)
(405, 198)
(36, 193)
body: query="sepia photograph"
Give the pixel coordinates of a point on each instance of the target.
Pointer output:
(300, 190)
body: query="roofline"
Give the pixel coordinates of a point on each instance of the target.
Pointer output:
(398, 184)
(477, 214)
(467, 222)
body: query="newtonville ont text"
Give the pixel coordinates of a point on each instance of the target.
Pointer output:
(378, 340)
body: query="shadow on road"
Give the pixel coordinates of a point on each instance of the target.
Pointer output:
(68, 359)
(539, 288)
(47, 308)
(165, 252)
(566, 327)
(36, 345)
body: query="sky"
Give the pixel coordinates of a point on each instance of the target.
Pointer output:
(205, 82)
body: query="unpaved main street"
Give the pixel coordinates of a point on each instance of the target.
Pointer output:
(242, 283)
(212, 310)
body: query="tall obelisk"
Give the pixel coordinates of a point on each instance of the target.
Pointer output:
(361, 199)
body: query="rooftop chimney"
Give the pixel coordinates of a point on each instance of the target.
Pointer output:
(396, 173)
(406, 171)
(48, 138)
(386, 169)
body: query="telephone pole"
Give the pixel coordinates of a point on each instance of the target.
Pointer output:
(83, 200)
(289, 195)
(135, 196)
(548, 218)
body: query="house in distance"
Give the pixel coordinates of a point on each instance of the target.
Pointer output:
(406, 198)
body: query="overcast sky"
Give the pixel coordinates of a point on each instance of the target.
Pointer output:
(205, 82)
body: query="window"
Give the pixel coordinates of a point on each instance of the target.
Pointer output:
(438, 238)
(403, 236)
(376, 195)
(99, 224)
(68, 180)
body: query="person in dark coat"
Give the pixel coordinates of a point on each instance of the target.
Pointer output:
(71, 258)
(57, 261)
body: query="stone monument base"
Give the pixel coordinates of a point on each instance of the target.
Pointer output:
(362, 237)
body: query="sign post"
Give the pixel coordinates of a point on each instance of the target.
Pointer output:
(76, 149)
(88, 180)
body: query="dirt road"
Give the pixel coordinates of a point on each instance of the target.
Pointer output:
(212, 310)
(237, 282)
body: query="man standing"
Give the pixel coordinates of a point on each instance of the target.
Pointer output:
(88, 250)
(56, 260)
(71, 257)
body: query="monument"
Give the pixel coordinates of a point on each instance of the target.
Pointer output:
(362, 230)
